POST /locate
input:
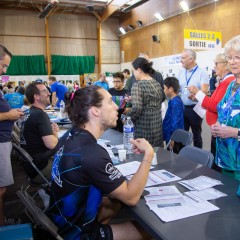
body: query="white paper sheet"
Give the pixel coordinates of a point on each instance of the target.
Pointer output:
(164, 196)
(159, 177)
(128, 168)
(206, 194)
(200, 183)
(190, 207)
(201, 112)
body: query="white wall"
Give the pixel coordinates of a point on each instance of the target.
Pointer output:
(170, 65)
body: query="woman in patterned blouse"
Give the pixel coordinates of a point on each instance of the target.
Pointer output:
(146, 103)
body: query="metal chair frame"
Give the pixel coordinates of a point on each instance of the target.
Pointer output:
(36, 215)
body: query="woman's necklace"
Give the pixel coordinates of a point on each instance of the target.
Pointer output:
(235, 87)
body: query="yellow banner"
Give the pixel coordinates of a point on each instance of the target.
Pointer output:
(202, 40)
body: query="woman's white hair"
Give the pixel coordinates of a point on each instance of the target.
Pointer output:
(232, 44)
(221, 57)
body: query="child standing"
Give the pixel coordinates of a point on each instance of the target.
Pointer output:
(118, 93)
(174, 115)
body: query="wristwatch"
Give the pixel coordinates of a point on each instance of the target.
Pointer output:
(239, 134)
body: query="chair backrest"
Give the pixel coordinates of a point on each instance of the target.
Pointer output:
(16, 128)
(198, 155)
(15, 138)
(181, 136)
(27, 158)
(39, 217)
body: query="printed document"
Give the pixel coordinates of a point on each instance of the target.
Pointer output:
(128, 168)
(206, 194)
(190, 207)
(159, 177)
(164, 196)
(200, 183)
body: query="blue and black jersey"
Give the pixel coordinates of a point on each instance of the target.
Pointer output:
(82, 172)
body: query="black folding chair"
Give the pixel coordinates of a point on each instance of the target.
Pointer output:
(15, 138)
(27, 158)
(37, 216)
(182, 137)
(198, 155)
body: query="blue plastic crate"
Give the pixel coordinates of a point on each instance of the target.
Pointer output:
(16, 232)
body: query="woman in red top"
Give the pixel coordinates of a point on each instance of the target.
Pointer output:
(210, 103)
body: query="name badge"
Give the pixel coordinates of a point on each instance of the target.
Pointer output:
(185, 91)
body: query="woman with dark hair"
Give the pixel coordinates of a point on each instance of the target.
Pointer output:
(146, 103)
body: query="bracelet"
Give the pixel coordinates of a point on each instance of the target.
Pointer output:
(147, 161)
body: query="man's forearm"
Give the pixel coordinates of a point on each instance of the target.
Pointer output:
(4, 116)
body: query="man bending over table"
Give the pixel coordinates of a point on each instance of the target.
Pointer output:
(83, 173)
(38, 136)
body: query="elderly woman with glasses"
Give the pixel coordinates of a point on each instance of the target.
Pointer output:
(210, 103)
(227, 128)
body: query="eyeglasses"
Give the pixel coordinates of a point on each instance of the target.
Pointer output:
(116, 81)
(216, 63)
(235, 58)
(45, 91)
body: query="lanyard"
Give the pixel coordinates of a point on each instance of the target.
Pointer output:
(188, 80)
(229, 105)
(225, 76)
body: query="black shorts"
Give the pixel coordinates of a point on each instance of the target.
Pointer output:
(101, 232)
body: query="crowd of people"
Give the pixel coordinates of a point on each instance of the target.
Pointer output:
(86, 189)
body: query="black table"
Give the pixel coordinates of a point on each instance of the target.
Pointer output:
(222, 224)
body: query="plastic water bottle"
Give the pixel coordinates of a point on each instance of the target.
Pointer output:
(62, 109)
(128, 133)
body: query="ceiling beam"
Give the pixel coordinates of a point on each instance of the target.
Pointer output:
(111, 8)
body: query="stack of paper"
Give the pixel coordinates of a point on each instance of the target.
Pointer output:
(200, 183)
(166, 196)
(189, 207)
(206, 194)
(159, 177)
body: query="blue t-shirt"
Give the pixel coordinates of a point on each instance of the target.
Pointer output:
(174, 118)
(60, 90)
(81, 173)
(6, 126)
(15, 100)
(102, 84)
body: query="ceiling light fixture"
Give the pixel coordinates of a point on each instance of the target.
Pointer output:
(158, 16)
(121, 29)
(139, 23)
(133, 4)
(184, 6)
(130, 27)
(48, 8)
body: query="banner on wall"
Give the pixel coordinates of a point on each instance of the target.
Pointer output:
(202, 40)
(172, 60)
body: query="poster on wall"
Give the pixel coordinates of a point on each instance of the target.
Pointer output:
(202, 40)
